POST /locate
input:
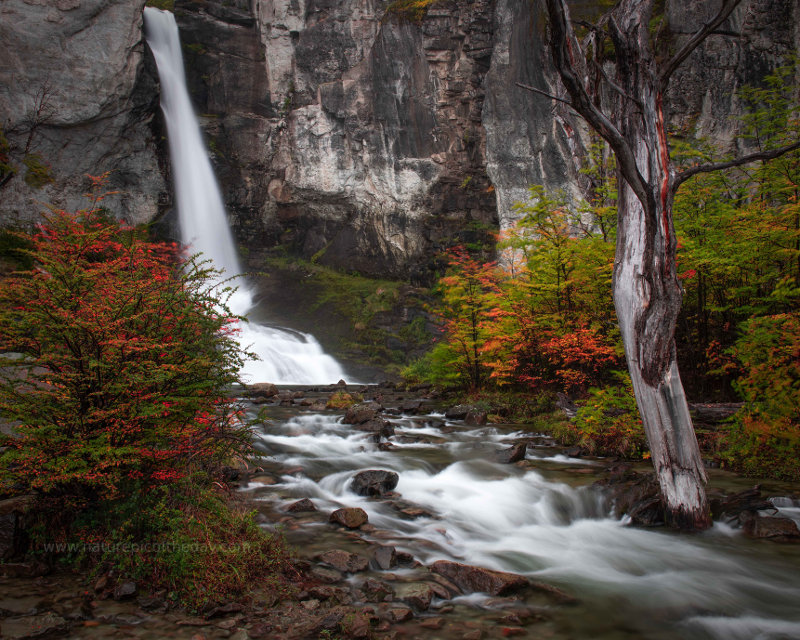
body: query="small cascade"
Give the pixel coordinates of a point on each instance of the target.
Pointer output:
(285, 357)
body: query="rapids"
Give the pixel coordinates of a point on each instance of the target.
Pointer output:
(541, 518)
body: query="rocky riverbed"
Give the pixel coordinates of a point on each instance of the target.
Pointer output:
(413, 520)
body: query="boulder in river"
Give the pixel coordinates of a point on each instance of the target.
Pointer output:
(755, 525)
(361, 412)
(385, 557)
(470, 579)
(418, 594)
(301, 505)
(350, 517)
(262, 390)
(514, 453)
(380, 427)
(374, 482)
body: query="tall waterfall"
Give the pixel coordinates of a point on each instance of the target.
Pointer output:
(285, 357)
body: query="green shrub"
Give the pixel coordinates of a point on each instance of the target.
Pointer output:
(764, 438)
(38, 171)
(607, 424)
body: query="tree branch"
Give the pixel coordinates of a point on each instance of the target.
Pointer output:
(725, 10)
(543, 93)
(683, 176)
(563, 45)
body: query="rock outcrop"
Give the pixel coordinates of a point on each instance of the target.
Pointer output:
(77, 98)
(338, 129)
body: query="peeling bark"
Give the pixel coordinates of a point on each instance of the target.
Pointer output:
(647, 293)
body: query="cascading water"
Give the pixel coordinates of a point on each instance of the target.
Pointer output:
(541, 518)
(285, 357)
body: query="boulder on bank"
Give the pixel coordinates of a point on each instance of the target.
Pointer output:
(476, 418)
(458, 412)
(471, 579)
(374, 482)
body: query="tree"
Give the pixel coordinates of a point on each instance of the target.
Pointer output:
(117, 360)
(647, 292)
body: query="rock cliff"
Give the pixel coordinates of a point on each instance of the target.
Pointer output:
(346, 132)
(76, 98)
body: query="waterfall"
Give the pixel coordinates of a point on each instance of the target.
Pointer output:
(285, 357)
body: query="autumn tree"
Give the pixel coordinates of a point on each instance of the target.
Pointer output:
(647, 292)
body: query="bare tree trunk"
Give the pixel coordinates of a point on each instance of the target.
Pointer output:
(647, 300)
(647, 294)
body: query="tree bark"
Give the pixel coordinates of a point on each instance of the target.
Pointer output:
(647, 294)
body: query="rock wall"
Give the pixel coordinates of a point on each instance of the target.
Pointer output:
(75, 94)
(340, 130)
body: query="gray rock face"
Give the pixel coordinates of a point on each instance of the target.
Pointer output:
(346, 133)
(74, 89)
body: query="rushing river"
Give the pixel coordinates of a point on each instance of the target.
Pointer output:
(541, 518)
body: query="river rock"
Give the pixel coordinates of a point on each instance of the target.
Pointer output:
(350, 517)
(470, 579)
(385, 557)
(458, 412)
(380, 427)
(399, 613)
(46, 625)
(262, 390)
(361, 412)
(411, 406)
(301, 505)
(755, 525)
(374, 482)
(418, 594)
(125, 591)
(344, 560)
(376, 590)
(476, 418)
(512, 454)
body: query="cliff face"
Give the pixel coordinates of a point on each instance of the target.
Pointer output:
(354, 136)
(75, 95)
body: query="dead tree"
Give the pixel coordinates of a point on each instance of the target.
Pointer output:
(647, 293)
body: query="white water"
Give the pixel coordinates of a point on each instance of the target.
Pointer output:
(285, 357)
(546, 522)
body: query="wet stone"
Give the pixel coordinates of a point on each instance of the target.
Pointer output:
(344, 560)
(301, 505)
(350, 517)
(46, 625)
(399, 614)
(376, 590)
(470, 579)
(385, 557)
(417, 594)
(513, 454)
(374, 482)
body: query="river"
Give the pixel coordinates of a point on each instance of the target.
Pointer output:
(540, 517)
